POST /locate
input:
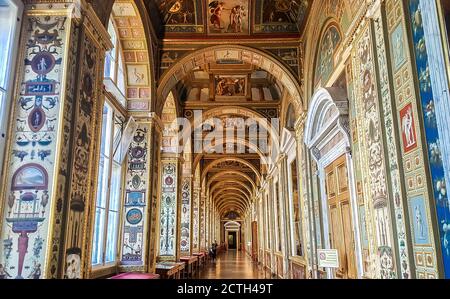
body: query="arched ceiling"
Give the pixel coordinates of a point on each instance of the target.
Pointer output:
(135, 52)
(244, 63)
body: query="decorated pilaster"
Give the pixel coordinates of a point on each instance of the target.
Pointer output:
(139, 206)
(284, 213)
(170, 206)
(306, 203)
(392, 138)
(52, 161)
(196, 212)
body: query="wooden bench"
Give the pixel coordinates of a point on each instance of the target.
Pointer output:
(170, 270)
(136, 275)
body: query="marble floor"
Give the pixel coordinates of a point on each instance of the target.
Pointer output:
(233, 265)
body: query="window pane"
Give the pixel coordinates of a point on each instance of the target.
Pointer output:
(111, 240)
(109, 66)
(8, 15)
(99, 228)
(110, 61)
(118, 130)
(120, 75)
(113, 220)
(115, 187)
(103, 176)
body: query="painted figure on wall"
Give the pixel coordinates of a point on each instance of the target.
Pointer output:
(419, 219)
(408, 129)
(230, 17)
(230, 86)
(236, 16)
(216, 9)
(398, 48)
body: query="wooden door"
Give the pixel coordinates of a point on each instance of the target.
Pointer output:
(232, 241)
(341, 227)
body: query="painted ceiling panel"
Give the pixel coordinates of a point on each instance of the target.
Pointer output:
(212, 18)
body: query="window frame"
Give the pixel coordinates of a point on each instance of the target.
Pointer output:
(110, 265)
(12, 65)
(112, 82)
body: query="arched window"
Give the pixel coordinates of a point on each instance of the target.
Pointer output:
(10, 18)
(114, 74)
(110, 173)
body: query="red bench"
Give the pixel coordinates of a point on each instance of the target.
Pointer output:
(134, 275)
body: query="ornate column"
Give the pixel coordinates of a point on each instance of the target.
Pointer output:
(170, 206)
(271, 220)
(50, 167)
(306, 199)
(202, 235)
(392, 140)
(284, 213)
(186, 203)
(196, 213)
(140, 206)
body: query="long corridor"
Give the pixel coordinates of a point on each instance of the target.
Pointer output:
(233, 265)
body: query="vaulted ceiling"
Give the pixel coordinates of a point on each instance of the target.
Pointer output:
(232, 86)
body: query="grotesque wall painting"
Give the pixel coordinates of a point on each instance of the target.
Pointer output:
(168, 211)
(230, 17)
(181, 16)
(280, 15)
(326, 52)
(186, 216)
(290, 56)
(29, 192)
(135, 204)
(176, 12)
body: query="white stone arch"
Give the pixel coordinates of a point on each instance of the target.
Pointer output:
(327, 136)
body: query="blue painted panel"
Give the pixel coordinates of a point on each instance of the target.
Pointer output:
(431, 132)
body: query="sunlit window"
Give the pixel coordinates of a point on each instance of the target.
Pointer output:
(9, 23)
(106, 227)
(114, 66)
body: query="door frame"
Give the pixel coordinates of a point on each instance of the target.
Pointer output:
(236, 232)
(327, 121)
(232, 226)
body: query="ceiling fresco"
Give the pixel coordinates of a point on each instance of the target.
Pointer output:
(213, 18)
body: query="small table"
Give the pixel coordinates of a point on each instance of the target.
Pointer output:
(134, 275)
(190, 262)
(169, 270)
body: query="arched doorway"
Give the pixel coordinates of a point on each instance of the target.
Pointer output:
(328, 139)
(232, 235)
